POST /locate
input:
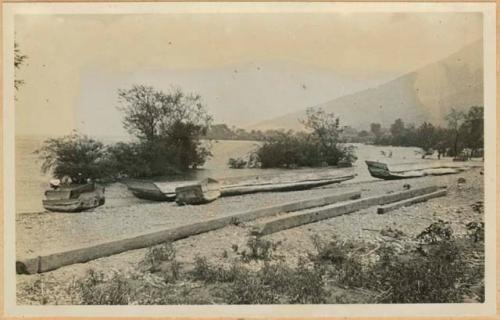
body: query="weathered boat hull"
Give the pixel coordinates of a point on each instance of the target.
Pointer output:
(151, 194)
(236, 190)
(199, 193)
(195, 194)
(76, 200)
(381, 170)
(149, 190)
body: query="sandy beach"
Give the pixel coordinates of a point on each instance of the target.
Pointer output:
(42, 231)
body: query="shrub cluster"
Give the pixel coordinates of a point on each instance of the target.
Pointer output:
(437, 270)
(237, 163)
(319, 146)
(76, 156)
(167, 127)
(434, 267)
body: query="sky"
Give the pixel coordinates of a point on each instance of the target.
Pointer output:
(247, 67)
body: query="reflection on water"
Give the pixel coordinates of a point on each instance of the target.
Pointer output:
(31, 183)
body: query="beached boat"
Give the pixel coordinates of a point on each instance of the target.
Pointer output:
(74, 198)
(280, 186)
(381, 170)
(156, 191)
(201, 192)
(166, 191)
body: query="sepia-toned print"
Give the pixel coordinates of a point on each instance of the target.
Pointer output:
(192, 158)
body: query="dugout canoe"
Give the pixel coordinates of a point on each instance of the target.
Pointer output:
(240, 189)
(74, 198)
(166, 191)
(381, 170)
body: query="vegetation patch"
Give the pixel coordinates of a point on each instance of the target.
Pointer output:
(167, 129)
(320, 145)
(434, 267)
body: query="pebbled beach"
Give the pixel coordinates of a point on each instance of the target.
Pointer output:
(59, 231)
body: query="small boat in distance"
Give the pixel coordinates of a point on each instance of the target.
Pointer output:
(381, 170)
(201, 192)
(74, 197)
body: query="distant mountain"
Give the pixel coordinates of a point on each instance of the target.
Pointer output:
(426, 94)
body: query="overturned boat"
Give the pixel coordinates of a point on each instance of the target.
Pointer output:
(381, 170)
(201, 192)
(74, 197)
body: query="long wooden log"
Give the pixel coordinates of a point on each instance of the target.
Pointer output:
(54, 260)
(316, 214)
(409, 202)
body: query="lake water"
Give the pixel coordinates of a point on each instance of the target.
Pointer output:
(31, 183)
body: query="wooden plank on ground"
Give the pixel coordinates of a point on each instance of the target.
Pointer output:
(51, 261)
(316, 214)
(409, 202)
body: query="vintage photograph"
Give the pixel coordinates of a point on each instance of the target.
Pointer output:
(249, 154)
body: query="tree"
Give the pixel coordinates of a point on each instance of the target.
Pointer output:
(397, 131)
(325, 127)
(74, 155)
(170, 125)
(376, 129)
(320, 145)
(455, 120)
(473, 129)
(426, 137)
(143, 107)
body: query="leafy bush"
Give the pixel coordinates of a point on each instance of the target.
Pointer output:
(97, 289)
(236, 163)
(273, 283)
(259, 249)
(278, 283)
(449, 270)
(417, 278)
(306, 284)
(76, 156)
(128, 160)
(156, 255)
(204, 271)
(250, 289)
(436, 232)
(319, 146)
(340, 258)
(437, 270)
(476, 231)
(168, 128)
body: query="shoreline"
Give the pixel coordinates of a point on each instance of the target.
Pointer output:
(54, 231)
(364, 224)
(117, 196)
